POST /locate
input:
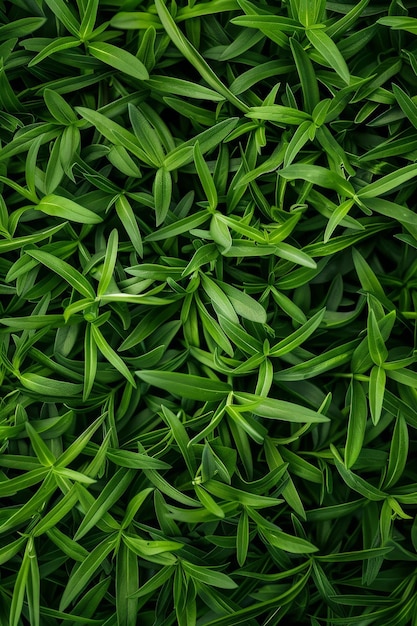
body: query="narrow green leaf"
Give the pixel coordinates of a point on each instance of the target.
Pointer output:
(127, 583)
(154, 583)
(65, 15)
(205, 177)
(288, 543)
(194, 57)
(208, 502)
(111, 493)
(58, 206)
(19, 590)
(242, 538)
(58, 107)
(389, 182)
(244, 305)
(180, 434)
(146, 135)
(111, 356)
(298, 337)
(162, 190)
(376, 344)
(326, 47)
(355, 482)
(89, 19)
(278, 113)
(120, 59)
(318, 176)
(358, 415)
(45, 386)
(109, 263)
(290, 253)
(398, 454)
(56, 45)
(65, 270)
(44, 454)
(82, 574)
(377, 379)
(208, 576)
(186, 385)
(272, 408)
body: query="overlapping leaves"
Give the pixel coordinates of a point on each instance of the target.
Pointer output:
(207, 322)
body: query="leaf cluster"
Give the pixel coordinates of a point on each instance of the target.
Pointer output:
(208, 288)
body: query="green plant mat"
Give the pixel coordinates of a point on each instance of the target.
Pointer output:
(208, 280)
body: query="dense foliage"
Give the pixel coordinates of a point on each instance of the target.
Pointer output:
(208, 311)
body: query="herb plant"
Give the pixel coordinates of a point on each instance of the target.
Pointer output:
(208, 312)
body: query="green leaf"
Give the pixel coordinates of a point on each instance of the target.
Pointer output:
(186, 385)
(180, 435)
(208, 576)
(358, 415)
(111, 356)
(377, 379)
(328, 50)
(178, 227)
(237, 334)
(127, 582)
(82, 574)
(205, 177)
(318, 176)
(58, 107)
(58, 206)
(219, 299)
(19, 590)
(244, 305)
(8, 551)
(299, 139)
(298, 337)
(272, 408)
(388, 183)
(14, 485)
(90, 362)
(242, 538)
(144, 548)
(20, 27)
(406, 103)
(208, 502)
(288, 543)
(64, 15)
(57, 513)
(392, 210)
(190, 53)
(44, 454)
(180, 87)
(45, 386)
(146, 135)
(119, 58)
(290, 253)
(65, 270)
(159, 579)
(89, 19)
(376, 344)
(355, 482)
(109, 263)
(208, 139)
(111, 493)
(398, 454)
(162, 190)
(134, 460)
(279, 114)
(114, 132)
(409, 24)
(336, 217)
